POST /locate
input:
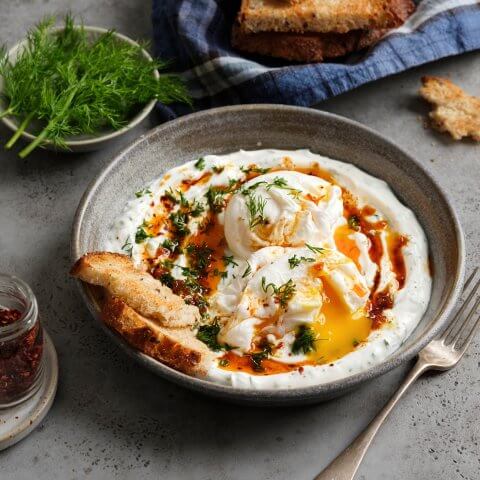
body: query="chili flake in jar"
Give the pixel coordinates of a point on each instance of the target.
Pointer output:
(21, 342)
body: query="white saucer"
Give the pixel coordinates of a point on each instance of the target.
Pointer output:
(18, 421)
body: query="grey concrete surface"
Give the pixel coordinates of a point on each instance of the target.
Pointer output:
(111, 419)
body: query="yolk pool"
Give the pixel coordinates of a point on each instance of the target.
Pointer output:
(347, 245)
(342, 330)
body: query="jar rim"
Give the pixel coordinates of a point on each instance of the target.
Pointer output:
(29, 313)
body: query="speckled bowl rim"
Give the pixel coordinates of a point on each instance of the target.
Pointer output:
(90, 140)
(277, 397)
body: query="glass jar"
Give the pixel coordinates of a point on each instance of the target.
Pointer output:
(21, 342)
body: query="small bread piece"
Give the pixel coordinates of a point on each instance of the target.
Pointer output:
(140, 290)
(176, 347)
(455, 111)
(307, 47)
(316, 15)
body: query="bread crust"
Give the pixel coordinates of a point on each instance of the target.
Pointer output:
(317, 15)
(307, 47)
(140, 290)
(454, 111)
(175, 347)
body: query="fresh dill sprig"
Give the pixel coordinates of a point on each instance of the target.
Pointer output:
(304, 340)
(256, 210)
(247, 271)
(315, 249)
(127, 247)
(65, 84)
(200, 164)
(144, 191)
(281, 183)
(295, 261)
(254, 169)
(229, 260)
(283, 293)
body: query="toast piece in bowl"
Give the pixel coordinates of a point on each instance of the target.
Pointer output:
(138, 289)
(454, 111)
(176, 347)
(317, 15)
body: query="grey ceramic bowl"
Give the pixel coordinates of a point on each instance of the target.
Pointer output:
(250, 127)
(84, 143)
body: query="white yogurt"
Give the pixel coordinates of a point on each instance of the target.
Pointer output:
(300, 209)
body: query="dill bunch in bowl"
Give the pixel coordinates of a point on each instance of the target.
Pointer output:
(78, 82)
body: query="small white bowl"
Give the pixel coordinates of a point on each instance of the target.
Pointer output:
(83, 143)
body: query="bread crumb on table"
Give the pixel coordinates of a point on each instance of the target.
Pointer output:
(454, 111)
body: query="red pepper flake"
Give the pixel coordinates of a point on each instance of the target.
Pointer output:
(19, 358)
(8, 316)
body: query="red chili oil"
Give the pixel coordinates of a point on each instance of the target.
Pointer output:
(21, 342)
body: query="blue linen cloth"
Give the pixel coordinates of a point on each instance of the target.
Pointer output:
(195, 35)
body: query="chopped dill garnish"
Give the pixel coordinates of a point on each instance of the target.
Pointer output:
(144, 191)
(196, 208)
(216, 198)
(257, 358)
(229, 260)
(295, 261)
(255, 206)
(127, 247)
(224, 362)
(354, 222)
(254, 169)
(170, 195)
(217, 170)
(304, 340)
(208, 335)
(355, 342)
(199, 256)
(200, 163)
(66, 83)
(283, 293)
(141, 235)
(170, 244)
(180, 222)
(279, 182)
(247, 271)
(315, 249)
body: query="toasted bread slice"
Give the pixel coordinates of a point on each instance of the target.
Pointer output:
(316, 15)
(176, 347)
(307, 47)
(455, 111)
(138, 289)
(314, 47)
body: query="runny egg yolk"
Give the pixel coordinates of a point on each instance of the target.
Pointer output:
(340, 332)
(346, 244)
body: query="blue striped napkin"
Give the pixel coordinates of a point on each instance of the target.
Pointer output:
(196, 35)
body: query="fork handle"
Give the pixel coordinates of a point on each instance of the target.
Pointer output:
(346, 464)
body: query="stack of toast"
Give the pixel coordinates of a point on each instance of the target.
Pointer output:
(315, 30)
(147, 314)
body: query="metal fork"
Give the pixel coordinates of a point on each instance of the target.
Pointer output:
(442, 353)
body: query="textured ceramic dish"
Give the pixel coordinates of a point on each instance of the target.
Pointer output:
(251, 127)
(84, 143)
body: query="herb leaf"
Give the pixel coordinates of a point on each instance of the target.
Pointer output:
(315, 249)
(255, 206)
(304, 340)
(247, 271)
(200, 163)
(283, 293)
(295, 261)
(72, 85)
(144, 191)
